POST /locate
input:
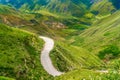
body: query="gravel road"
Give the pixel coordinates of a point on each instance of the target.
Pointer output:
(45, 58)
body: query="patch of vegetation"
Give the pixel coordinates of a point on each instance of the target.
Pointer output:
(19, 55)
(112, 75)
(81, 74)
(102, 33)
(7, 10)
(19, 50)
(5, 78)
(84, 74)
(114, 64)
(102, 7)
(67, 58)
(79, 27)
(110, 52)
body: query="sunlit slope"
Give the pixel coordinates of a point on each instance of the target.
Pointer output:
(67, 58)
(102, 33)
(102, 7)
(19, 54)
(12, 16)
(69, 7)
(79, 75)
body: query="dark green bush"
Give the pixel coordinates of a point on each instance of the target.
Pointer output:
(111, 51)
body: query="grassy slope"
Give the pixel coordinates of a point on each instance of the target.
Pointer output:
(79, 75)
(89, 75)
(7, 10)
(103, 32)
(103, 7)
(13, 17)
(66, 58)
(76, 62)
(5, 78)
(35, 22)
(62, 7)
(19, 55)
(28, 21)
(70, 57)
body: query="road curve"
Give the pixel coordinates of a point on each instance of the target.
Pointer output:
(102, 71)
(45, 58)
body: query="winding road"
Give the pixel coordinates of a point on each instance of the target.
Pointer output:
(45, 58)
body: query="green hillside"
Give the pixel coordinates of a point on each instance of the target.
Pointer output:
(86, 35)
(103, 32)
(69, 7)
(66, 7)
(79, 75)
(7, 10)
(67, 58)
(12, 16)
(102, 7)
(33, 22)
(19, 55)
(101, 39)
(89, 75)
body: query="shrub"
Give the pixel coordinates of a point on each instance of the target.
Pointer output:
(112, 75)
(110, 52)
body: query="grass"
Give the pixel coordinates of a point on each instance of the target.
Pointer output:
(103, 7)
(5, 78)
(47, 13)
(102, 33)
(84, 74)
(66, 58)
(19, 55)
(7, 10)
(81, 74)
(98, 37)
(19, 50)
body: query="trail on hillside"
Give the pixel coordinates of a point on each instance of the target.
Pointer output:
(45, 58)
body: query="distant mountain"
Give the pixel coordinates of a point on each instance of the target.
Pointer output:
(19, 3)
(103, 7)
(73, 7)
(69, 7)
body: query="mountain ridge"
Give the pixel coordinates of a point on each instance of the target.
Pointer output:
(85, 32)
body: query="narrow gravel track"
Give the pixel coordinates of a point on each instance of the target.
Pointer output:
(102, 71)
(45, 58)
